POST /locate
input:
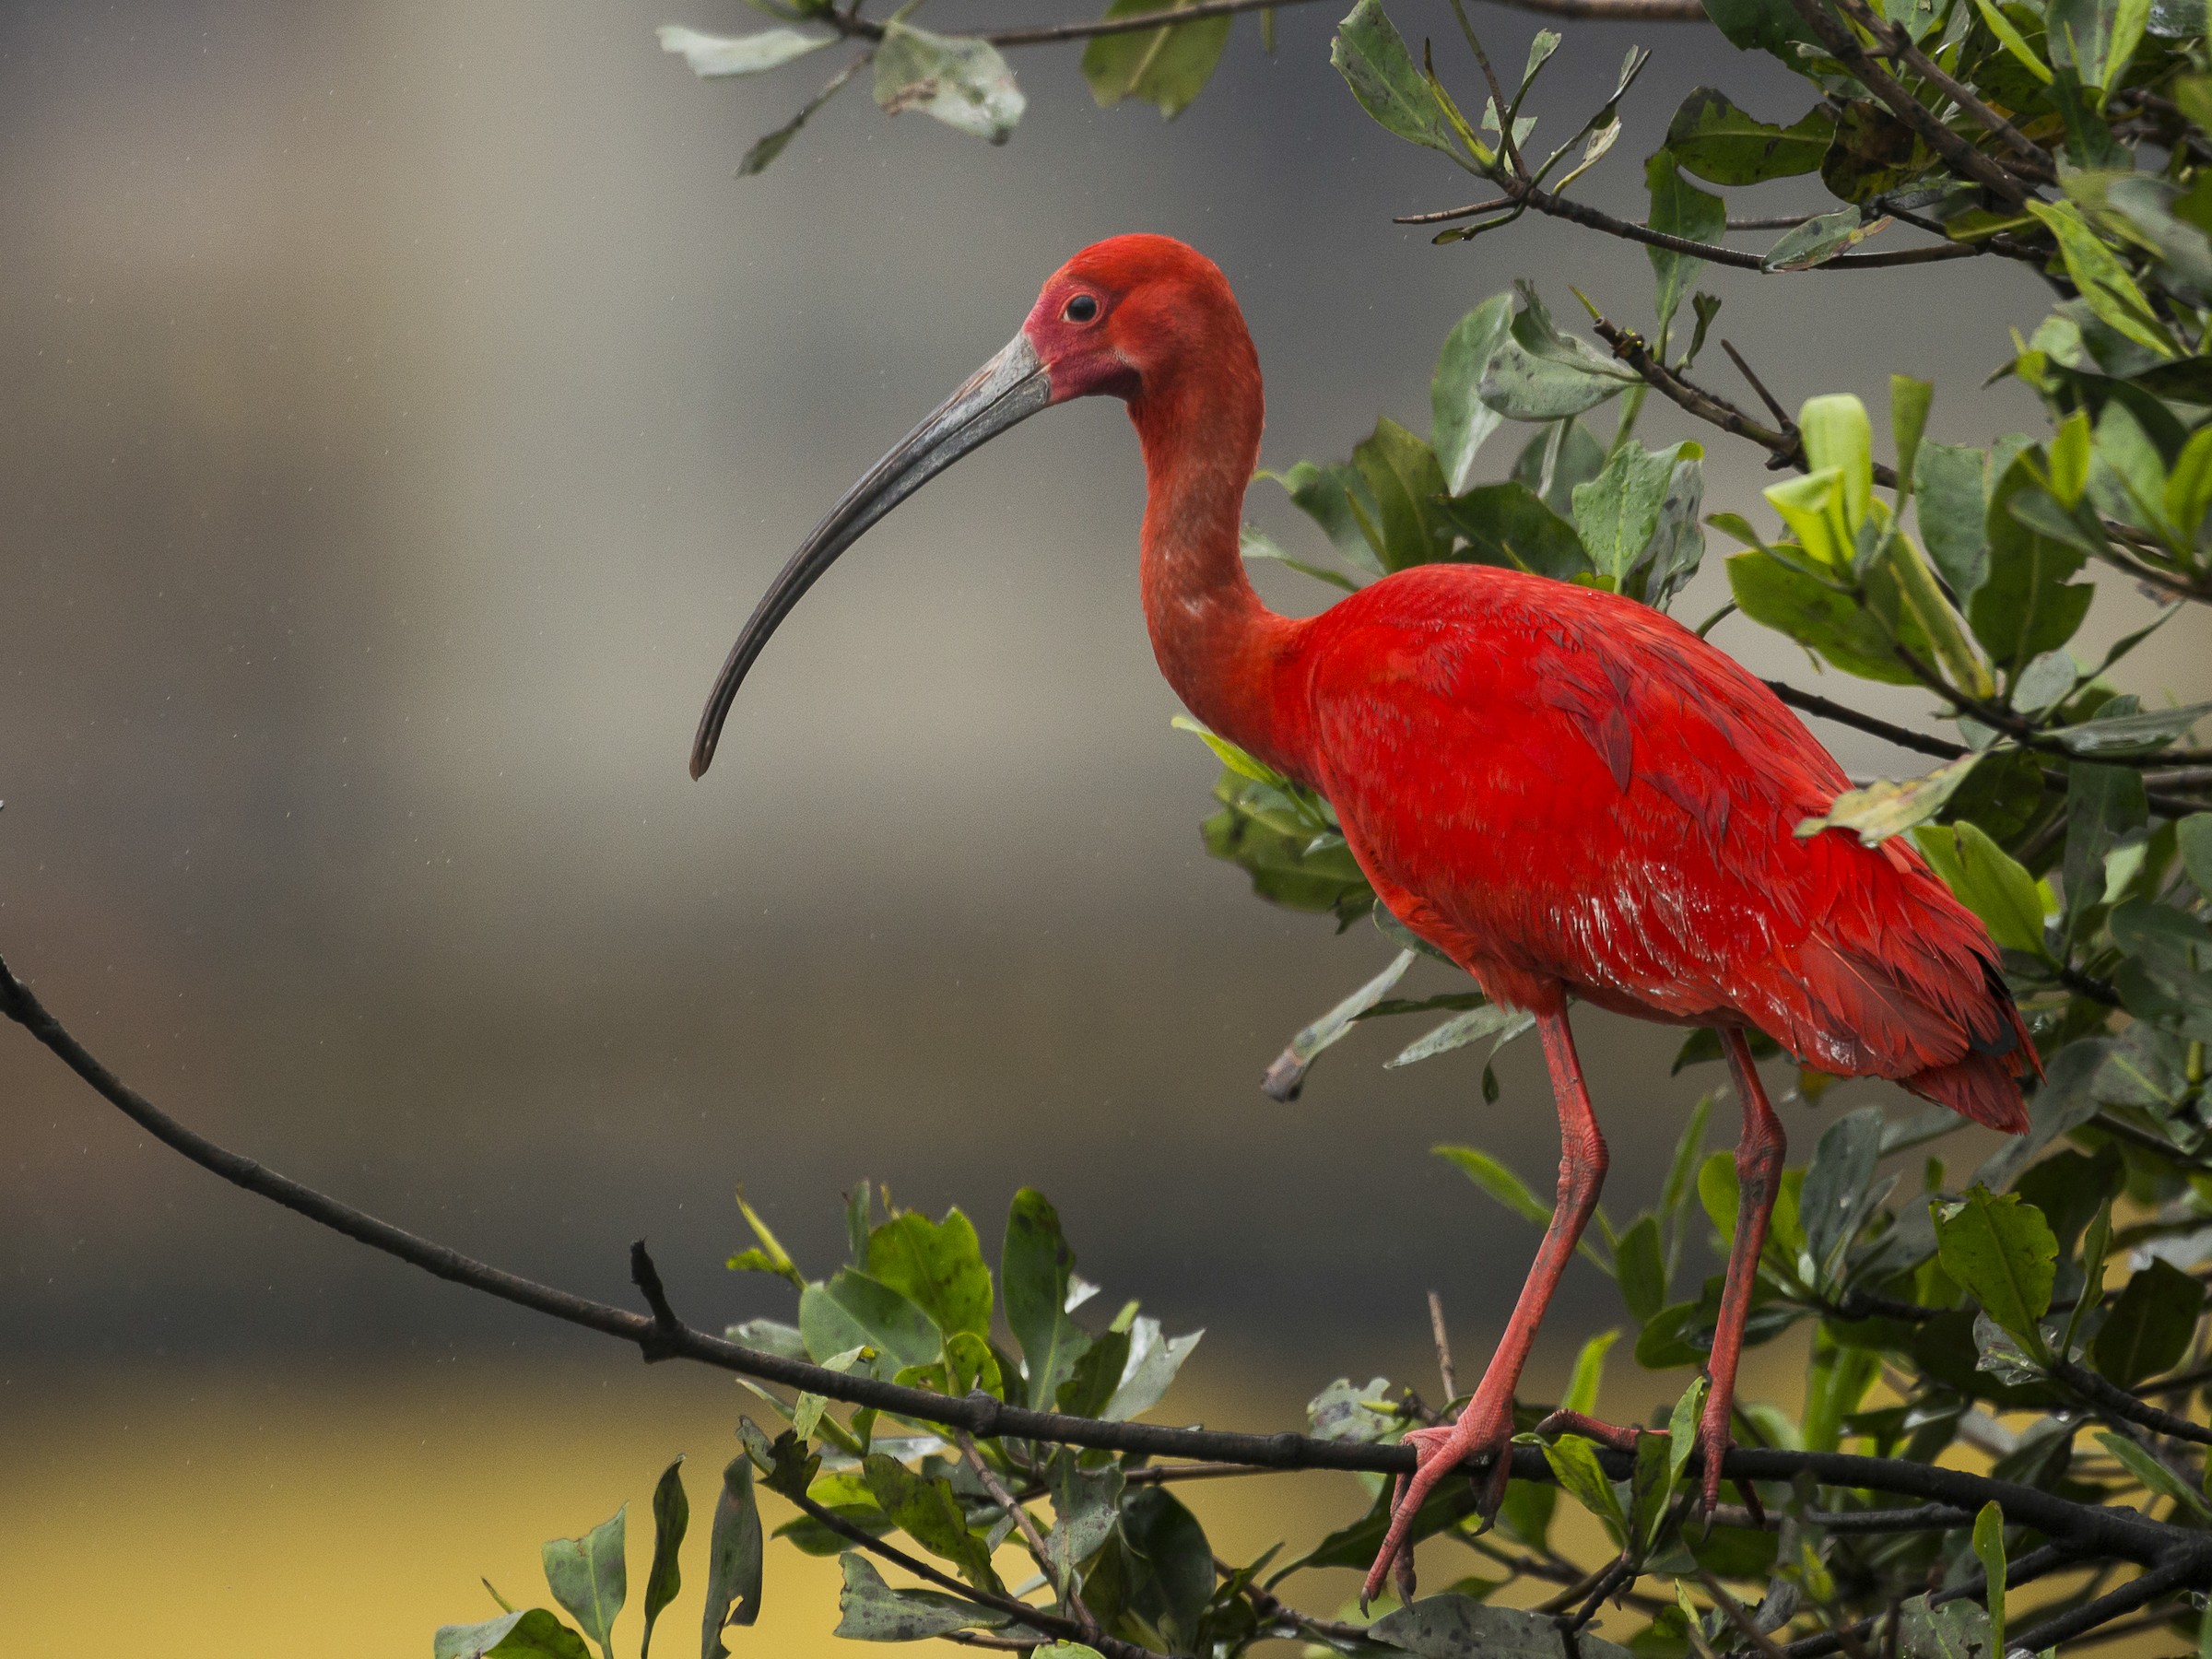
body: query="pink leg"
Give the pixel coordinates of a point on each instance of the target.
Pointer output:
(1758, 1177)
(1486, 1425)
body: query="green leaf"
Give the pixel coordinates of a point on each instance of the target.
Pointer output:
(1370, 55)
(1818, 614)
(1678, 209)
(1574, 1462)
(1956, 1629)
(1884, 809)
(2137, 733)
(1154, 1361)
(1819, 239)
(1638, 519)
(1711, 138)
(870, 1610)
(1871, 154)
(1458, 1627)
(856, 1311)
(2193, 836)
(733, 1560)
(1459, 419)
(1499, 1182)
(1640, 1266)
(1288, 1073)
(959, 79)
(2095, 38)
(2001, 1252)
(1556, 460)
(770, 1257)
(1095, 1377)
(1170, 1565)
(1034, 1269)
(1988, 881)
(590, 1578)
(1166, 66)
(671, 1520)
(1405, 483)
(2103, 281)
(938, 1266)
(1989, 1550)
(1954, 510)
(713, 55)
(2013, 41)
(2104, 803)
(1255, 543)
(1909, 403)
(1838, 1197)
(1087, 1504)
(2148, 1329)
(1290, 866)
(2155, 1476)
(535, 1634)
(1541, 373)
(1490, 1020)
(926, 1510)
(1589, 1373)
(1325, 494)
(1937, 620)
(1509, 525)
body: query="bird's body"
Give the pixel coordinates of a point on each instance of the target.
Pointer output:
(1566, 792)
(1571, 794)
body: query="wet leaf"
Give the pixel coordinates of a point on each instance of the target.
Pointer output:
(713, 55)
(1461, 420)
(1509, 525)
(855, 1310)
(2003, 1252)
(960, 80)
(1034, 1269)
(671, 1521)
(1166, 66)
(1819, 239)
(1947, 482)
(928, 1513)
(1458, 1627)
(1370, 55)
(872, 1611)
(590, 1577)
(534, 1634)
(1678, 209)
(1989, 882)
(938, 1267)
(1638, 519)
(1154, 1360)
(2148, 1329)
(1871, 154)
(1711, 138)
(1884, 807)
(733, 1548)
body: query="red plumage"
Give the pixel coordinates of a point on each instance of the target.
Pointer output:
(1570, 794)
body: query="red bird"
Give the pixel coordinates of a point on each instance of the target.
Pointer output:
(1570, 794)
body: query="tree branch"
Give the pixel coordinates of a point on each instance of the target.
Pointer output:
(2086, 1528)
(1199, 11)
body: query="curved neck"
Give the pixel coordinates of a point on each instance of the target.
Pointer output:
(1216, 643)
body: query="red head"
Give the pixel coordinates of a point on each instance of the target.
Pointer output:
(1141, 318)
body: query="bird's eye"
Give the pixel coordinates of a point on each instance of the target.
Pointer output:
(1082, 309)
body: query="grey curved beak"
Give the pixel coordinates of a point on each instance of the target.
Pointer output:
(1008, 389)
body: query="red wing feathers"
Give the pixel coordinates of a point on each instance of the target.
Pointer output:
(1574, 792)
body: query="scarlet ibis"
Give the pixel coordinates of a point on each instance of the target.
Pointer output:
(1569, 794)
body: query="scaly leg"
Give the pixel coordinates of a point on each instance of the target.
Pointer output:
(1486, 1425)
(1758, 1177)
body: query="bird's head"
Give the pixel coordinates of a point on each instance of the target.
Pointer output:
(1133, 317)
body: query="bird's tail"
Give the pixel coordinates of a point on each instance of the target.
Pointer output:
(1984, 1083)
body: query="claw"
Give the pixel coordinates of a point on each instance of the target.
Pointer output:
(1439, 1451)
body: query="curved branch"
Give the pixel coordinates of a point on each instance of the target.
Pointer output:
(2085, 1527)
(1053, 34)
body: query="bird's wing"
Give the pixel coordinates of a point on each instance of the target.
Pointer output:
(1568, 787)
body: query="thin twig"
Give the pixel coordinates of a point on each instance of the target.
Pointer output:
(1443, 1346)
(1742, 1620)
(2121, 1403)
(1023, 1521)
(2087, 1529)
(2036, 161)
(2167, 1576)
(2029, 1567)
(1782, 416)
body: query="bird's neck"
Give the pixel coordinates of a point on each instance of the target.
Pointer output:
(1218, 646)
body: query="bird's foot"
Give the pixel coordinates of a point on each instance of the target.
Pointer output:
(1481, 1427)
(1589, 1428)
(1713, 1444)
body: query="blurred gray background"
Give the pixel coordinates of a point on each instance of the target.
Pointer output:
(400, 407)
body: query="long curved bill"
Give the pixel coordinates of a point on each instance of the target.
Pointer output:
(1009, 388)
